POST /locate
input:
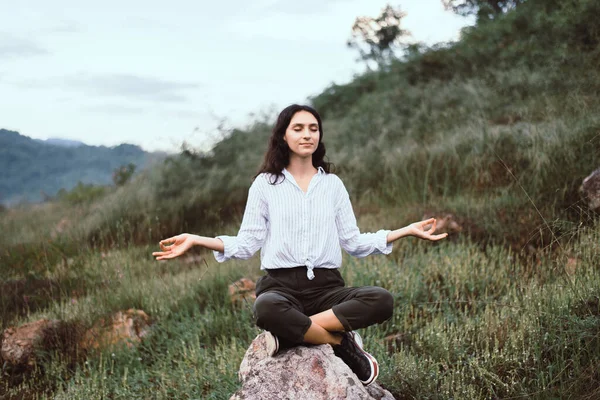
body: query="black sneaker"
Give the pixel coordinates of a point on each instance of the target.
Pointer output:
(360, 362)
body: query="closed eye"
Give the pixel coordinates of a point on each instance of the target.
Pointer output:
(299, 127)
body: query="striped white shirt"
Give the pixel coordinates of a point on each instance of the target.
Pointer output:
(293, 228)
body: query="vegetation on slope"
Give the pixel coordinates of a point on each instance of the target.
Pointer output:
(499, 129)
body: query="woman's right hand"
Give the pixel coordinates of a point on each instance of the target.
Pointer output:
(174, 246)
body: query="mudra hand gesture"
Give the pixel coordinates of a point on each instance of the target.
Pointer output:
(180, 244)
(419, 229)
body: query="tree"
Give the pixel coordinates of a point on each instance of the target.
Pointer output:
(484, 9)
(377, 39)
(122, 174)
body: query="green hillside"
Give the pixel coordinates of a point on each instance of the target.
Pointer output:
(488, 128)
(498, 129)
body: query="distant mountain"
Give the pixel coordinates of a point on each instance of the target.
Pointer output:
(61, 142)
(32, 169)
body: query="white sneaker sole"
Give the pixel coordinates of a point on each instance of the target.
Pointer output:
(272, 344)
(374, 364)
(357, 338)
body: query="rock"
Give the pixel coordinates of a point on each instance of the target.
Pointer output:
(242, 291)
(19, 344)
(590, 190)
(125, 327)
(304, 373)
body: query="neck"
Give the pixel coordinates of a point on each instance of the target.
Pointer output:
(301, 166)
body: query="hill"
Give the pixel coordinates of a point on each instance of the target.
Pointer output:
(498, 129)
(34, 170)
(62, 142)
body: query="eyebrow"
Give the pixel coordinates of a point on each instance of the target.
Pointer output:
(299, 124)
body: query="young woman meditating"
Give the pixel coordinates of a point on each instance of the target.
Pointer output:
(299, 214)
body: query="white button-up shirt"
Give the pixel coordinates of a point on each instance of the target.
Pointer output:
(294, 228)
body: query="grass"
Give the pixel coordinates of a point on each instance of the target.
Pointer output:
(470, 322)
(499, 130)
(508, 309)
(492, 313)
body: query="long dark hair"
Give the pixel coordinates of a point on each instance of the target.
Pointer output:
(277, 156)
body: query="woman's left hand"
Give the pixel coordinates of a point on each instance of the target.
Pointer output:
(419, 229)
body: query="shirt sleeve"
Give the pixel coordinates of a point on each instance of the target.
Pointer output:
(253, 230)
(355, 243)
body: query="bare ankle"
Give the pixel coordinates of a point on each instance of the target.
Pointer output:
(335, 339)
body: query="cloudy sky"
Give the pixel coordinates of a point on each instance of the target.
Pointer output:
(156, 73)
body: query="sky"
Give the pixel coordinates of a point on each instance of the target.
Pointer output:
(155, 73)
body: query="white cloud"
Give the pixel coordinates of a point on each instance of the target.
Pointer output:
(114, 109)
(302, 7)
(13, 47)
(132, 86)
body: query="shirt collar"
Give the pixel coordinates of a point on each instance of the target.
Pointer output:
(290, 178)
(320, 171)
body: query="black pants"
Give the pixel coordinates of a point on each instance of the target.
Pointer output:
(285, 298)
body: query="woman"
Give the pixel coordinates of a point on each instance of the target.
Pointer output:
(299, 214)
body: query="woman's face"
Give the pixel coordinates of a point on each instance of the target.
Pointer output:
(302, 134)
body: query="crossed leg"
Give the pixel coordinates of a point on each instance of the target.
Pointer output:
(283, 315)
(322, 324)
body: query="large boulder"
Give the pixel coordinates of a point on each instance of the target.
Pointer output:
(127, 327)
(19, 344)
(303, 373)
(590, 190)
